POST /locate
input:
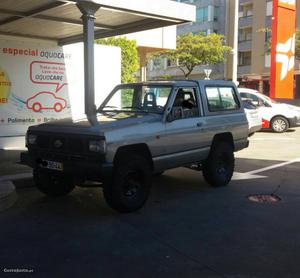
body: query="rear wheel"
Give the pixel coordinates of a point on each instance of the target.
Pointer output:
(279, 124)
(219, 166)
(129, 188)
(52, 185)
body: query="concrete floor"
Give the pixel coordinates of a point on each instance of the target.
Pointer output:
(187, 229)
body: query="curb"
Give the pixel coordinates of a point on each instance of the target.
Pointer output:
(8, 195)
(23, 180)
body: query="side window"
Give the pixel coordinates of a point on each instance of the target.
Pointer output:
(221, 98)
(228, 97)
(185, 104)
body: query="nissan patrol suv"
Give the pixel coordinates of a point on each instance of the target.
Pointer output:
(141, 130)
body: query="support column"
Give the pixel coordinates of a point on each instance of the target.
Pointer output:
(88, 10)
(232, 33)
(143, 64)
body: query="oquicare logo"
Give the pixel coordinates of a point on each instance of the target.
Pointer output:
(286, 56)
(288, 2)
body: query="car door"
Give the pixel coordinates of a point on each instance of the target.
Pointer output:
(265, 109)
(183, 138)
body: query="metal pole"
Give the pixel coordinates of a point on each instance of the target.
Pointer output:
(88, 10)
(235, 42)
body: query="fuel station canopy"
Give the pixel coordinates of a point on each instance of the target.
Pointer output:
(70, 21)
(60, 20)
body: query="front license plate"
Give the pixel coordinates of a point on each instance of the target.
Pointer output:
(52, 165)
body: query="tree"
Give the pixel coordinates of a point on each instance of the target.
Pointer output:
(129, 53)
(193, 50)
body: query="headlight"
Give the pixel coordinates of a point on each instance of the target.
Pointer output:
(31, 139)
(97, 146)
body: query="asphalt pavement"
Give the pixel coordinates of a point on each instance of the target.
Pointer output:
(186, 229)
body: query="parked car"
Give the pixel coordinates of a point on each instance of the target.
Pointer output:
(253, 116)
(140, 130)
(275, 115)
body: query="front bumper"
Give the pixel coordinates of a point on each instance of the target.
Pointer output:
(74, 166)
(294, 122)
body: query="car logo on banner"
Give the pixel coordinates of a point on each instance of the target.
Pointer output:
(286, 56)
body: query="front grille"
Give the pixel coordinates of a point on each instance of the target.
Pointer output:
(64, 143)
(76, 145)
(43, 141)
(61, 143)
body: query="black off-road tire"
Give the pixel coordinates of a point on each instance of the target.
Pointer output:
(129, 187)
(279, 124)
(52, 185)
(219, 166)
(158, 174)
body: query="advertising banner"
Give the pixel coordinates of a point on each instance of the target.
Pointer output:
(33, 86)
(283, 49)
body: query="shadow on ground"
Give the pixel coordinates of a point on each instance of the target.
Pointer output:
(187, 229)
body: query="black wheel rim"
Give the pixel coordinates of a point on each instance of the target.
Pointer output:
(223, 165)
(132, 184)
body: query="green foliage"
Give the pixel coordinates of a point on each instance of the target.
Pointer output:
(130, 60)
(193, 50)
(297, 48)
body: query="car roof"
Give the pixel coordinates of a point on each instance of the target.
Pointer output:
(179, 82)
(247, 90)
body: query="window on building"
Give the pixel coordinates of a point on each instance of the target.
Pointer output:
(158, 63)
(269, 8)
(216, 13)
(245, 34)
(202, 14)
(245, 58)
(247, 10)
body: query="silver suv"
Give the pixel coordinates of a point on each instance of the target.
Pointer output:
(142, 129)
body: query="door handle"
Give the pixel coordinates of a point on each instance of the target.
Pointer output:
(199, 124)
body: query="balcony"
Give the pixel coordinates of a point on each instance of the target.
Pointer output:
(245, 21)
(245, 45)
(244, 70)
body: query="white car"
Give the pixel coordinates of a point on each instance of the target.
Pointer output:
(276, 116)
(253, 116)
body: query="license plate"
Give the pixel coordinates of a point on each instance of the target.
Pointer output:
(52, 165)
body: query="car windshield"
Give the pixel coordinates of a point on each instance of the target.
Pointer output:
(269, 99)
(137, 98)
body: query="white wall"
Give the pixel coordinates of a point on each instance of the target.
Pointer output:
(107, 74)
(157, 38)
(17, 70)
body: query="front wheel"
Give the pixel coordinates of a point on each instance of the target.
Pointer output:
(129, 188)
(279, 124)
(219, 166)
(52, 185)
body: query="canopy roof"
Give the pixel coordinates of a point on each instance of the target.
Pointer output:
(60, 20)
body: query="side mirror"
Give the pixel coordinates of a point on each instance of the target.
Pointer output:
(175, 114)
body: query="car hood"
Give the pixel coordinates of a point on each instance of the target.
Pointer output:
(105, 122)
(288, 107)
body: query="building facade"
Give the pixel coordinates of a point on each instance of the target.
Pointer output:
(255, 23)
(254, 34)
(210, 18)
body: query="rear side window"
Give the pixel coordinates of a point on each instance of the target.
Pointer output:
(221, 98)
